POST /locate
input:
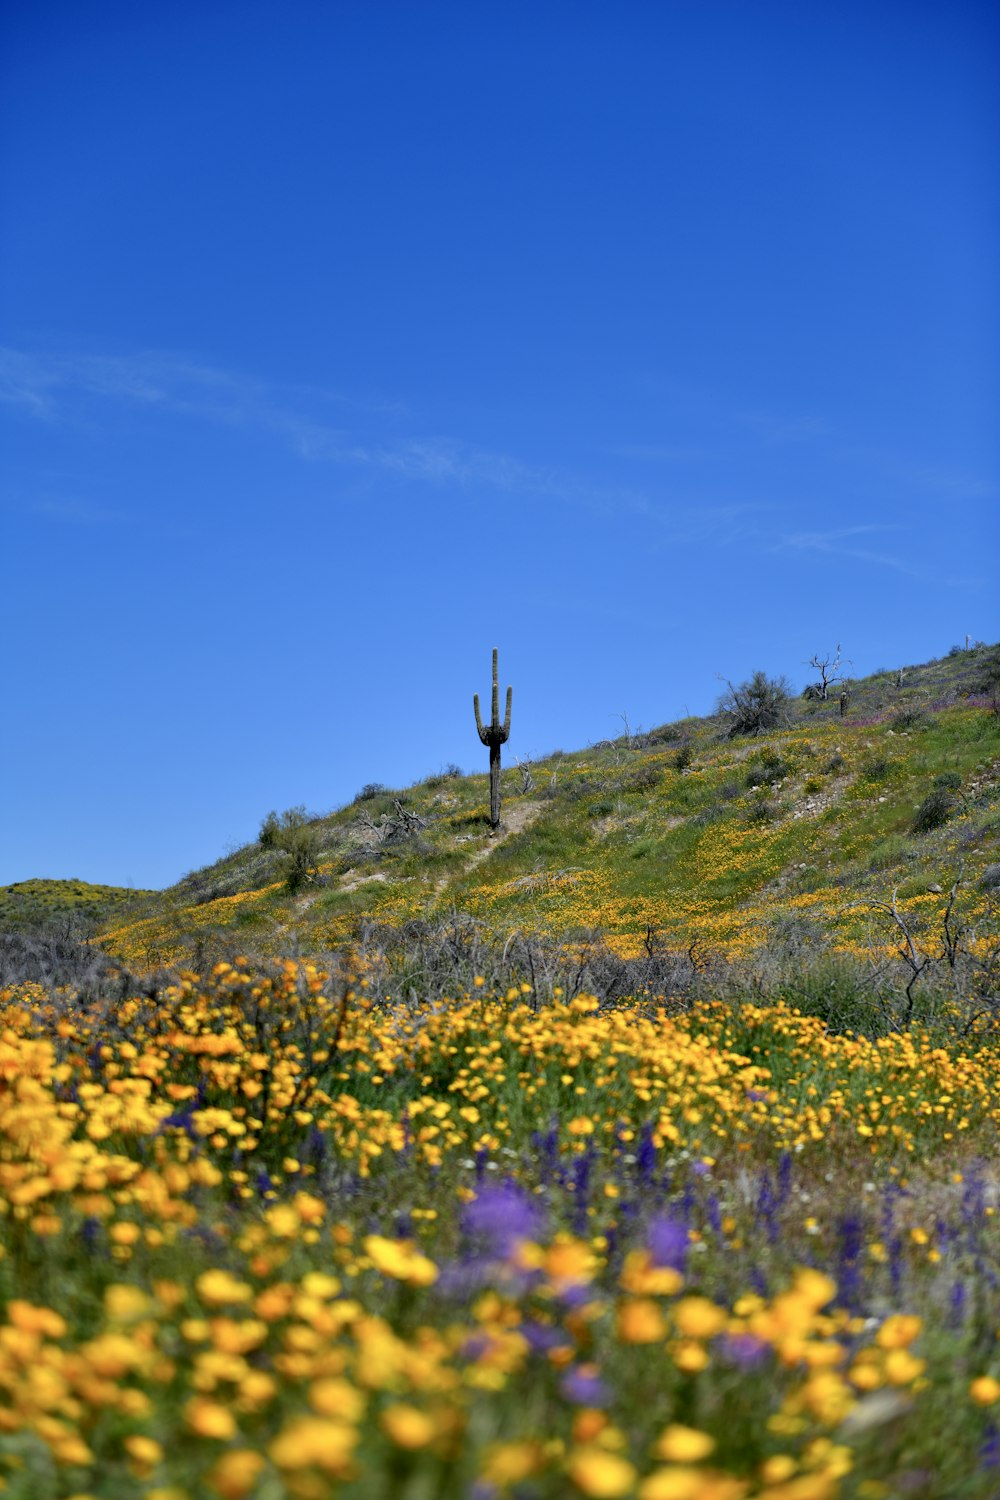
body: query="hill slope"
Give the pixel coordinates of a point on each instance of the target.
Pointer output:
(683, 838)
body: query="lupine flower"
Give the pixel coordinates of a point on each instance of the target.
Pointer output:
(668, 1243)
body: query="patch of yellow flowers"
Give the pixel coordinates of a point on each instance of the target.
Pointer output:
(190, 1307)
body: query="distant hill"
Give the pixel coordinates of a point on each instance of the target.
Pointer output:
(29, 903)
(682, 838)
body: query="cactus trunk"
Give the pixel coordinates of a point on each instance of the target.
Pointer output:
(494, 786)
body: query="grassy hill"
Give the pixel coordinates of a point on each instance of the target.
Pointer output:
(29, 903)
(683, 839)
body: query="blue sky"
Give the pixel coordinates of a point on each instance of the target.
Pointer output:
(342, 342)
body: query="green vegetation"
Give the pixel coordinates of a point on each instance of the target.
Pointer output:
(30, 902)
(701, 837)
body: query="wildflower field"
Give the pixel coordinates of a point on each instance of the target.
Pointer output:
(268, 1234)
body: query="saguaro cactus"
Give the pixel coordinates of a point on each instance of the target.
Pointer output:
(494, 734)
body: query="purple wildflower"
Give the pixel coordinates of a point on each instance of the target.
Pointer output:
(668, 1243)
(645, 1155)
(501, 1215)
(766, 1211)
(850, 1279)
(581, 1189)
(542, 1337)
(742, 1349)
(584, 1387)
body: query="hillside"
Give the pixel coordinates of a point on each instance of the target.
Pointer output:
(28, 903)
(680, 839)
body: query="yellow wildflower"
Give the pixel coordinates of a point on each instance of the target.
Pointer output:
(601, 1475)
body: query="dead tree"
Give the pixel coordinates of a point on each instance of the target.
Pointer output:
(829, 671)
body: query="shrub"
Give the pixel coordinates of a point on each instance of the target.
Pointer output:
(876, 768)
(987, 677)
(835, 764)
(757, 705)
(950, 780)
(642, 780)
(269, 831)
(301, 861)
(292, 835)
(683, 758)
(910, 718)
(770, 767)
(935, 810)
(762, 810)
(812, 786)
(370, 790)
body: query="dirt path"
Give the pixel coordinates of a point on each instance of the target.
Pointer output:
(521, 816)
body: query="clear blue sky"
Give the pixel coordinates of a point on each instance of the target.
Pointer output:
(344, 341)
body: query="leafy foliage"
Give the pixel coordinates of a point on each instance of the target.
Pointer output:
(758, 705)
(295, 836)
(935, 810)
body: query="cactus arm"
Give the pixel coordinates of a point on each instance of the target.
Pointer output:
(506, 718)
(483, 734)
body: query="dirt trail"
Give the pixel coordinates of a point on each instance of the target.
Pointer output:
(521, 815)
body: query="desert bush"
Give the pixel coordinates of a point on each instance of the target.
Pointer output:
(684, 757)
(270, 829)
(573, 788)
(909, 718)
(762, 810)
(371, 790)
(950, 780)
(642, 780)
(889, 852)
(667, 734)
(935, 810)
(987, 675)
(757, 705)
(812, 785)
(769, 767)
(292, 835)
(876, 768)
(835, 764)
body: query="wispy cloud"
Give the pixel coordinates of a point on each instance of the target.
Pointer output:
(317, 425)
(80, 512)
(841, 542)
